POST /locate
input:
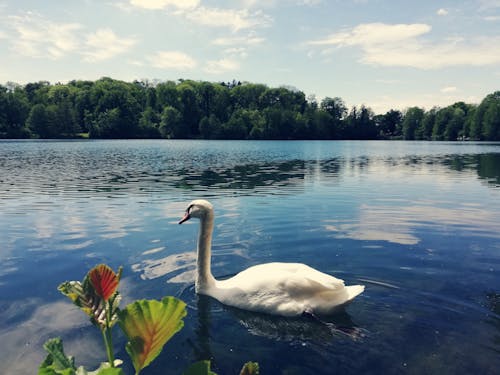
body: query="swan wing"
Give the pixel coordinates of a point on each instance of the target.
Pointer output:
(297, 278)
(280, 288)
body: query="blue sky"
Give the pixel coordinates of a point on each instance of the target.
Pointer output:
(381, 53)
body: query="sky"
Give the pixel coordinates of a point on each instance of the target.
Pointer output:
(385, 54)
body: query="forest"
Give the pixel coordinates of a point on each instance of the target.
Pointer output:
(183, 109)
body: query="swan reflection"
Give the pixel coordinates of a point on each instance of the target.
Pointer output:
(304, 329)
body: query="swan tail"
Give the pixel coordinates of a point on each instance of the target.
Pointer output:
(353, 291)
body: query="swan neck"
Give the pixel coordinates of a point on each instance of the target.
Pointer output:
(204, 277)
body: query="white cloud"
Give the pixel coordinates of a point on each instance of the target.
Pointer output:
(309, 2)
(221, 66)
(235, 19)
(35, 36)
(238, 46)
(402, 45)
(240, 52)
(374, 33)
(488, 4)
(231, 18)
(492, 18)
(172, 60)
(105, 44)
(442, 12)
(162, 4)
(238, 40)
(449, 89)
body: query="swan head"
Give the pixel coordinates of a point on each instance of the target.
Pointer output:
(198, 208)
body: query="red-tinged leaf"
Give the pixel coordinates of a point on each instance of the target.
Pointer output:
(148, 325)
(104, 280)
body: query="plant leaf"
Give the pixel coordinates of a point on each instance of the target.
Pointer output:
(56, 361)
(199, 368)
(104, 280)
(104, 369)
(84, 295)
(148, 325)
(250, 368)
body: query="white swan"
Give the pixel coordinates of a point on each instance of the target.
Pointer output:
(286, 289)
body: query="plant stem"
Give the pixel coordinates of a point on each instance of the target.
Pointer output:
(108, 339)
(108, 342)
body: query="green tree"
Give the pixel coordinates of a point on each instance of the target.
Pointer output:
(12, 109)
(37, 93)
(411, 122)
(106, 95)
(283, 98)
(149, 124)
(171, 125)
(189, 109)
(247, 95)
(107, 124)
(167, 95)
(485, 123)
(455, 126)
(324, 126)
(238, 126)
(443, 117)
(491, 122)
(424, 130)
(389, 124)
(335, 128)
(83, 106)
(210, 127)
(15, 112)
(360, 124)
(41, 121)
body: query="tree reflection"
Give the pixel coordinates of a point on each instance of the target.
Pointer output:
(246, 177)
(113, 174)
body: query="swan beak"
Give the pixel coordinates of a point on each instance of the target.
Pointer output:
(185, 218)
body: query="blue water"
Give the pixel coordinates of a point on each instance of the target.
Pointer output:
(417, 223)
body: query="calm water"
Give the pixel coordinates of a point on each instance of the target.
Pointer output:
(417, 223)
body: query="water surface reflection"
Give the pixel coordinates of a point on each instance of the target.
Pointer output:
(416, 222)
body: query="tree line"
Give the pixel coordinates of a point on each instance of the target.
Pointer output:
(109, 108)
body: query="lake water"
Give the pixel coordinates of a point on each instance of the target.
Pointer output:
(417, 223)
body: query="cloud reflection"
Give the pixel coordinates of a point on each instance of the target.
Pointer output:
(399, 224)
(23, 350)
(183, 265)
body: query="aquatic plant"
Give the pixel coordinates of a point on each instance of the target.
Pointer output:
(147, 324)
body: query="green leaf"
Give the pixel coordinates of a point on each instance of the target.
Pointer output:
(104, 369)
(148, 325)
(56, 362)
(199, 368)
(250, 368)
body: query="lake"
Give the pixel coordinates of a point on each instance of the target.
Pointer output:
(417, 223)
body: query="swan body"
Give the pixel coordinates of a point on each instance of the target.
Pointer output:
(287, 289)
